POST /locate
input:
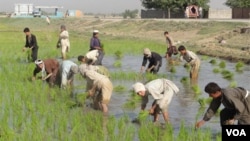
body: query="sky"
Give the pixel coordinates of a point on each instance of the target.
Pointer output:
(91, 6)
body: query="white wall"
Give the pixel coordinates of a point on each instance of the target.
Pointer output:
(23, 9)
(220, 14)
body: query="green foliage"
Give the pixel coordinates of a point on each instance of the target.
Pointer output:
(131, 14)
(227, 74)
(204, 101)
(117, 64)
(184, 80)
(238, 3)
(213, 61)
(239, 66)
(172, 69)
(118, 54)
(222, 64)
(233, 84)
(143, 115)
(187, 66)
(133, 101)
(196, 89)
(119, 88)
(181, 4)
(216, 70)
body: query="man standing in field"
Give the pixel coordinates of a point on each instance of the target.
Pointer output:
(95, 44)
(193, 60)
(68, 69)
(49, 69)
(48, 20)
(171, 48)
(99, 88)
(31, 44)
(155, 61)
(63, 41)
(236, 102)
(162, 90)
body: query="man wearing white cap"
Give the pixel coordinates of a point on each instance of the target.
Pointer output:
(68, 69)
(49, 69)
(99, 87)
(155, 61)
(162, 90)
(95, 44)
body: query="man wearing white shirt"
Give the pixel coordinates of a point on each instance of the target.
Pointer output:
(162, 90)
(63, 41)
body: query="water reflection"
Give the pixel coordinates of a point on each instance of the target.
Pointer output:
(184, 106)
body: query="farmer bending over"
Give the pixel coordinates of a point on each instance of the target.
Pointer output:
(236, 102)
(49, 69)
(68, 70)
(98, 68)
(155, 61)
(99, 87)
(162, 91)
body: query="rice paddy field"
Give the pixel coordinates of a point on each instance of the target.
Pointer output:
(30, 110)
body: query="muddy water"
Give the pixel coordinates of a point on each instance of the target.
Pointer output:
(184, 106)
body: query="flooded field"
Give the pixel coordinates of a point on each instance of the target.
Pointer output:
(184, 106)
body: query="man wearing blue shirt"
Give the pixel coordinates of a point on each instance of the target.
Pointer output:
(95, 44)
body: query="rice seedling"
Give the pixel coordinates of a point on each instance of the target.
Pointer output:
(233, 84)
(222, 64)
(227, 74)
(150, 76)
(132, 102)
(117, 64)
(216, 70)
(184, 80)
(204, 101)
(187, 66)
(239, 66)
(196, 89)
(121, 75)
(119, 88)
(204, 57)
(172, 69)
(213, 61)
(143, 115)
(118, 54)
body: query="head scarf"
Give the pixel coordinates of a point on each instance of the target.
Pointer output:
(139, 87)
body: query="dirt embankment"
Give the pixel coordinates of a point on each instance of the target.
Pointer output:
(233, 46)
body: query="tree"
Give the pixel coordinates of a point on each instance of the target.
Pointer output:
(172, 4)
(130, 13)
(238, 3)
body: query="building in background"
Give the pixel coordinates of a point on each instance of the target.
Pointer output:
(23, 9)
(74, 13)
(29, 11)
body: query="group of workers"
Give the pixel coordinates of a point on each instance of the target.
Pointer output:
(236, 101)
